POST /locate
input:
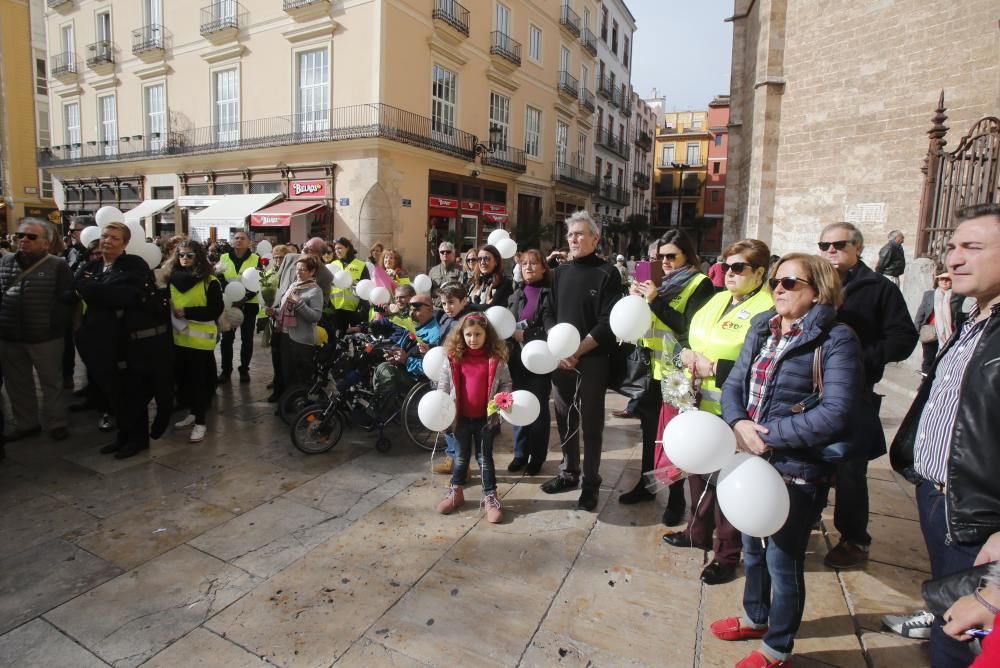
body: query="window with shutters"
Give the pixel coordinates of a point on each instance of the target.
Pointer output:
(444, 93)
(227, 105)
(313, 74)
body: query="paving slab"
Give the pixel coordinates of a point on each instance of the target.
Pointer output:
(366, 653)
(38, 643)
(38, 520)
(107, 494)
(206, 649)
(246, 485)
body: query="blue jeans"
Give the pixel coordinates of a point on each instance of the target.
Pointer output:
(946, 559)
(471, 431)
(850, 510)
(532, 442)
(775, 589)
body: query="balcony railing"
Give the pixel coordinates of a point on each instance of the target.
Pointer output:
(453, 14)
(626, 106)
(668, 189)
(574, 176)
(298, 4)
(52, 4)
(613, 193)
(589, 41)
(327, 125)
(570, 20)
(506, 47)
(587, 99)
(604, 87)
(147, 38)
(607, 139)
(62, 64)
(643, 140)
(100, 52)
(569, 84)
(640, 180)
(222, 15)
(615, 96)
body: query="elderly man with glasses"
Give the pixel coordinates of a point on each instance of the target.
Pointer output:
(448, 269)
(403, 366)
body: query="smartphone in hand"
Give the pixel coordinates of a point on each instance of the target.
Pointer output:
(643, 271)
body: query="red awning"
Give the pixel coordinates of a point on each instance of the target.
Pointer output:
(280, 214)
(495, 217)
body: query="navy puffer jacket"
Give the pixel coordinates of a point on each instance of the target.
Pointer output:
(793, 437)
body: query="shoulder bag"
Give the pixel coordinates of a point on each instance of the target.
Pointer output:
(833, 453)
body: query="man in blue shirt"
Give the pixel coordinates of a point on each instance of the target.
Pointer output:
(403, 367)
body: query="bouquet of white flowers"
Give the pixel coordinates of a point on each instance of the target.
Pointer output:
(677, 386)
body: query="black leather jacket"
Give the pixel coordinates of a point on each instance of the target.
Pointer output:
(972, 498)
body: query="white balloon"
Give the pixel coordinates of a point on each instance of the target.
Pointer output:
(265, 249)
(379, 296)
(753, 496)
(436, 410)
(537, 358)
(507, 248)
(149, 252)
(89, 235)
(502, 321)
(434, 362)
(251, 279)
(137, 230)
(698, 442)
(234, 291)
(563, 340)
(525, 409)
(422, 283)
(496, 236)
(234, 316)
(108, 214)
(342, 278)
(630, 318)
(364, 288)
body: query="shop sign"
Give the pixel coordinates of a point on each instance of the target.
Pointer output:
(494, 208)
(313, 188)
(469, 205)
(407, 203)
(495, 217)
(443, 203)
(345, 201)
(30, 190)
(271, 220)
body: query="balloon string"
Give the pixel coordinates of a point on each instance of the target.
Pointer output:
(574, 405)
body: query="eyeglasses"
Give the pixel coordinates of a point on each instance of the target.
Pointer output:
(670, 257)
(27, 235)
(737, 267)
(445, 251)
(788, 282)
(839, 245)
(415, 306)
(189, 256)
(483, 259)
(470, 260)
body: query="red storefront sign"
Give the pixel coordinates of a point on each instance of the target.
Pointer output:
(469, 205)
(494, 208)
(442, 207)
(495, 217)
(311, 188)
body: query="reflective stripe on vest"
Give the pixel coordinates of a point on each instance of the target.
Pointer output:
(655, 339)
(198, 335)
(344, 298)
(230, 273)
(720, 337)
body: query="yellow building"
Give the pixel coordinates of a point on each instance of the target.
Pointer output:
(681, 168)
(22, 190)
(398, 121)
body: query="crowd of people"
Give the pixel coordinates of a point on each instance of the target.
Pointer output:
(787, 351)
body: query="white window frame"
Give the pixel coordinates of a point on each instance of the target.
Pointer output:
(502, 19)
(562, 142)
(71, 128)
(68, 45)
(311, 86)
(581, 155)
(225, 96)
(563, 59)
(43, 124)
(500, 115)
(584, 77)
(532, 131)
(697, 122)
(155, 121)
(99, 23)
(534, 42)
(695, 149)
(107, 124)
(671, 150)
(444, 101)
(152, 12)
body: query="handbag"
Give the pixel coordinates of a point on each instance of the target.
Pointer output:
(833, 453)
(631, 374)
(942, 593)
(927, 334)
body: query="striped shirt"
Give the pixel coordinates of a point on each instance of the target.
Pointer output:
(763, 367)
(937, 420)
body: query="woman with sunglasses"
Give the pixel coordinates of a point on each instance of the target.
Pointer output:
(683, 290)
(770, 398)
(491, 288)
(470, 268)
(715, 338)
(195, 303)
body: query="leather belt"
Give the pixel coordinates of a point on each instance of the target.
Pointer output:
(147, 333)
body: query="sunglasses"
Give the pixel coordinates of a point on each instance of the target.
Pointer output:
(839, 245)
(418, 305)
(76, 229)
(470, 260)
(484, 259)
(788, 282)
(445, 252)
(26, 235)
(190, 256)
(737, 267)
(670, 257)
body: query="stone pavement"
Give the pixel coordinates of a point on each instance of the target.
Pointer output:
(240, 551)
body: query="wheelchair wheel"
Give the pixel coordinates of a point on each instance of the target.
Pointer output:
(383, 444)
(418, 433)
(295, 399)
(316, 429)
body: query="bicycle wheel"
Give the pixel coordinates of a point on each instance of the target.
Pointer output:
(420, 435)
(295, 399)
(317, 429)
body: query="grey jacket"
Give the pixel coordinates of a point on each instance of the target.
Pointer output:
(307, 313)
(36, 307)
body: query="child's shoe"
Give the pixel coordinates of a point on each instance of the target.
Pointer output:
(452, 500)
(492, 505)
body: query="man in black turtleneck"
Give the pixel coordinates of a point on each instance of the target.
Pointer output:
(583, 293)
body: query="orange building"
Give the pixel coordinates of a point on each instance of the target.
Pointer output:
(715, 178)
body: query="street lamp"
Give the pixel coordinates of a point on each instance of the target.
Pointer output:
(496, 139)
(680, 189)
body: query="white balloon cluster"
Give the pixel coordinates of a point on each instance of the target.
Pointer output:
(137, 244)
(500, 239)
(631, 318)
(543, 357)
(237, 288)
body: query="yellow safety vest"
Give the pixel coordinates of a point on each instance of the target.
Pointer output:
(655, 339)
(404, 321)
(198, 334)
(720, 337)
(231, 274)
(344, 298)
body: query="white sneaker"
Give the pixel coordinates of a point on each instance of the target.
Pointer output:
(198, 433)
(186, 422)
(916, 625)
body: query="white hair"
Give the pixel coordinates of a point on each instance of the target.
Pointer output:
(584, 217)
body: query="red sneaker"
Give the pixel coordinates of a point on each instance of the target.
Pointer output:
(731, 628)
(758, 660)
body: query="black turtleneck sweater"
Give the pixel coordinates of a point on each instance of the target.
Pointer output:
(583, 293)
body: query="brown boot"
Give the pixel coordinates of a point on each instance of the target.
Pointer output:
(444, 467)
(452, 500)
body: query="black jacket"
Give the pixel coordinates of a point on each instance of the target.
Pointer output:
(926, 310)
(891, 260)
(584, 291)
(972, 495)
(534, 329)
(876, 311)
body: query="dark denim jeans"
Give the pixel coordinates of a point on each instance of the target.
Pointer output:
(775, 589)
(850, 510)
(246, 340)
(946, 559)
(471, 431)
(532, 442)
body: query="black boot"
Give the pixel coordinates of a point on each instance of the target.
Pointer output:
(638, 494)
(676, 505)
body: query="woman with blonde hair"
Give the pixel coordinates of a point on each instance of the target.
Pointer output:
(392, 262)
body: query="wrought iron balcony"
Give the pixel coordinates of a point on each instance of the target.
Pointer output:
(640, 180)
(570, 20)
(289, 5)
(574, 176)
(626, 106)
(63, 64)
(615, 144)
(613, 193)
(666, 188)
(568, 84)
(643, 140)
(147, 38)
(100, 53)
(222, 15)
(453, 14)
(361, 121)
(589, 41)
(52, 4)
(506, 47)
(605, 88)
(615, 98)
(587, 99)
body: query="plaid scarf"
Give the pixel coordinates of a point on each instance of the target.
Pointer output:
(763, 367)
